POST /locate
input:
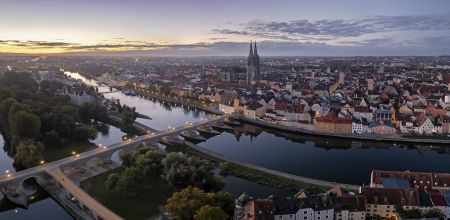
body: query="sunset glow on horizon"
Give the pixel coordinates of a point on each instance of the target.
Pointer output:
(222, 27)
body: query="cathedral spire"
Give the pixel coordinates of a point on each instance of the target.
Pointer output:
(251, 50)
(256, 50)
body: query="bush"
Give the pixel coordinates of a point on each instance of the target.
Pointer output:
(84, 132)
(52, 139)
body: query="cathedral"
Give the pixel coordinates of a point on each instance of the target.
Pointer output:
(253, 66)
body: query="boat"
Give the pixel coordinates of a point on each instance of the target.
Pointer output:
(231, 121)
(170, 140)
(192, 135)
(207, 130)
(220, 125)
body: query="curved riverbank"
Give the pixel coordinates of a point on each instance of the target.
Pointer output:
(364, 137)
(179, 101)
(260, 174)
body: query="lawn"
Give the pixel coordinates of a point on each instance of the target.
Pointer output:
(144, 206)
(56, 153)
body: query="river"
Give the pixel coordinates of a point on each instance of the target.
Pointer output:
(36, 210)
(339, 160)
(329, 159)
(336, 160)
(6, 162)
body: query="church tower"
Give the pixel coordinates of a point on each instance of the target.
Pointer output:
(253, 65)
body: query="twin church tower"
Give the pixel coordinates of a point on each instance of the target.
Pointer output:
(253, 65)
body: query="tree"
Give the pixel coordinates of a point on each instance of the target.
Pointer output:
(225, 201)
(214, 184)
(52, 139)
(111, 181)
(29, 154)
(94, 111)
(130, 181)
(5, 93)
(127, 158)
(128, 117)
(5, 105)
(225, 168)
(178, 172)
(182, 171)
(208, 212)
(409, 214)
(151, 162)
(434, 213)
(26, 125)
(14, 108)
(84, 132)
(183, 205)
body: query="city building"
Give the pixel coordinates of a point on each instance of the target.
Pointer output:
(253, 66)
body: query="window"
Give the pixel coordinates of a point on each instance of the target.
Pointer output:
(305, 212)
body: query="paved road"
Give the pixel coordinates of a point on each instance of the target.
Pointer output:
(82, 196)
(114, 147)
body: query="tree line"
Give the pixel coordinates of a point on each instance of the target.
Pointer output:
(35, 116)
(192, 175)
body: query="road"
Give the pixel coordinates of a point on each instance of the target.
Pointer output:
(114, 147)
(82, 196)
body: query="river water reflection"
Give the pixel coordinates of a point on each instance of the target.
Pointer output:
(323, 158)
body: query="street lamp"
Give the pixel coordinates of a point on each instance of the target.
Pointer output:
(73, 153)
(41, 162)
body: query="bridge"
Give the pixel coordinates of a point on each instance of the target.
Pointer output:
(96, 210)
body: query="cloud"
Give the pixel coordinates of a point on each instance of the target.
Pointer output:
(126, 45)
(327, 29)
(35, 44)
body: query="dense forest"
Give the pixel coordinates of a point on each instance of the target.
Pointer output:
(34, 116)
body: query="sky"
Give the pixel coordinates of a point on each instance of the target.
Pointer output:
(225, 28)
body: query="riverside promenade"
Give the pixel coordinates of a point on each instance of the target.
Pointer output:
(361, 137)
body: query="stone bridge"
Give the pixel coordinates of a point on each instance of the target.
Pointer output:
(46, 174)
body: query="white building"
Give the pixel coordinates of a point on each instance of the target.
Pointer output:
(317, 207)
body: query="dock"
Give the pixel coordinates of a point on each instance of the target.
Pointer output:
(231, 121)
(221, 126)
(207, 130)
(192, 135)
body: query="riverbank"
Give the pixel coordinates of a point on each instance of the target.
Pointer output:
(259, 174)
(363, 137)
(137, 129)
(214, 109)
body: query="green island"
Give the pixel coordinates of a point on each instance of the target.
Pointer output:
(40, 123)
